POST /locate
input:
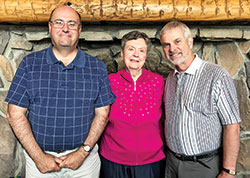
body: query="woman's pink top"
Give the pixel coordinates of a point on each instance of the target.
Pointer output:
(133, 135)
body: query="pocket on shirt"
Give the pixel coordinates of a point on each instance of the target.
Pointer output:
(199, 107)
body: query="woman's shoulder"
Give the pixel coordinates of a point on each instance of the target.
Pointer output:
(154, 75)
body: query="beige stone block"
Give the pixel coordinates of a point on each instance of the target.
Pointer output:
(6, 68)
(244, 158)
(194, 32)
(245, 47)
(213, 33)
(36, 36)
(246, 34)
(12, 160)
(21, 43)
(95, 36)
(153, 60)
(208, 52)
(150, 32)
(244, 103)
(3, 104)
(197, 48)
(7, 147)
(228, 56)
(4, 39)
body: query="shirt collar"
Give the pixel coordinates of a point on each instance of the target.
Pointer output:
(128, 77)
(79, 60)
(195, 65)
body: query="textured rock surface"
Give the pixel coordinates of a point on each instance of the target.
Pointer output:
(226, 47)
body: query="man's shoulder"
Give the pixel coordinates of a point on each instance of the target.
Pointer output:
(214, 68)
(89, 57)
(92, 61)
(36, 57)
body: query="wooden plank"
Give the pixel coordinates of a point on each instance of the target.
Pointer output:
(128, 10)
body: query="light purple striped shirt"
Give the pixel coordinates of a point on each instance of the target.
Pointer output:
(197, 103)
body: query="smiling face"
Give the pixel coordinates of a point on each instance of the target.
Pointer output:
(134, 54)
(64, 37)
(177, 48)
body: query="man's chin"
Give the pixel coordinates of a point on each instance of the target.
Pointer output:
(176, 62)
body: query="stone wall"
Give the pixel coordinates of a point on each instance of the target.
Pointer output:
(228, 46)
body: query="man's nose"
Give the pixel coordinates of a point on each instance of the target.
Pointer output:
(172, 47)
(65, 27)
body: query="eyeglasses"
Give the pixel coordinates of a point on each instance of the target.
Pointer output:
(72, 25)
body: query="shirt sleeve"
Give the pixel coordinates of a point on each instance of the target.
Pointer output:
(17, 94)
(227, 104)
(106, 96)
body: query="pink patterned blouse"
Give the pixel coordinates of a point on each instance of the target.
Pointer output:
(133, 135)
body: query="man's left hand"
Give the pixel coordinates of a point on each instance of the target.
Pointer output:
(225, 175)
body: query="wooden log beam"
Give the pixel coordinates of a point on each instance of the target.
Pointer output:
(128, 10)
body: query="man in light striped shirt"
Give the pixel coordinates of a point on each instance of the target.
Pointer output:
(202, 115)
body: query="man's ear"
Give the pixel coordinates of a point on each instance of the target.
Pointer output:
(80, 29)
(190, 42)
(49, 24)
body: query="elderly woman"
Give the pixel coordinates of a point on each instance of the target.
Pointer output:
(132, 146)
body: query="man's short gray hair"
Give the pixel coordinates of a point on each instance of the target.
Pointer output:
(173, 24)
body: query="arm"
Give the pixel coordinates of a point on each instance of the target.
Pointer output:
(231, 142)
(18, 121)
(75, 159)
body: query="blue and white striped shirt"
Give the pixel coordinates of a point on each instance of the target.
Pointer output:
(197, 103)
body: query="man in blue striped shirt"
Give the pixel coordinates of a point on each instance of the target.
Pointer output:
(59, 103)
(202, 115)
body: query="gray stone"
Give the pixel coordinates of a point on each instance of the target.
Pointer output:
(12, 160)
(7, 147)
(208, 52)
(6, 68)
(197, 48)
(245, 47)
(150, 32)
(115, 50)
(3, 104)
(223, 33)
(19, 58)
(107, 59)
(247, 65)
(234, 56)
(244, 158)
(246, 34)
(194, 32)
(95, 36)
(153, 60)
(42, 45)
(246, 175)
(164, 67)
(243, 162)
(21, 44)
(244, 103)
(37, 36)
(1, 83)
(228, 56)
(4, 39)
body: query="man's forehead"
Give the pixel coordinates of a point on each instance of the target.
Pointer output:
(65, 12)
(173, 34)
